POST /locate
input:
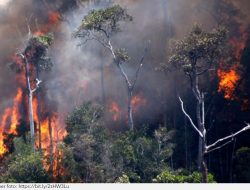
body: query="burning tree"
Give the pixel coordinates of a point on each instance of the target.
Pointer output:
(34, 54)
(100, 25)
(196, 54)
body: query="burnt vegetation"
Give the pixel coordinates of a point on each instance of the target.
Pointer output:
(92, 92)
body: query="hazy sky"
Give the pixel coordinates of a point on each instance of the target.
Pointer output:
(3, 2)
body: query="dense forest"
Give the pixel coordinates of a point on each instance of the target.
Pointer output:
(124, 91)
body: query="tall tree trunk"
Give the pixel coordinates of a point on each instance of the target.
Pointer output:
(204, 169)
(196, 92)
(200, 116)
(186, 145)
(38, 112)
(130, 89)
(31, 116)
(130, 109)
(200, 147)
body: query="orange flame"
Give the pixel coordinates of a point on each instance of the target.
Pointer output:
(15, 112)
(137, 102)
(53, 20)
(228, 82)
(230, 78)
(51, 130)
(115, 110)
(5, 117)
(3, 148)
(11, 114)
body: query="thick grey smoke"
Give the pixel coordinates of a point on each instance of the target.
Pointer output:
(76, 75)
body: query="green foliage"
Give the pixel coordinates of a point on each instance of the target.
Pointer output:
(28, 169)
(140, 151)
(123, 179)
(23, 166)
(242, 168)
(92, 154)
(37, 51)
(103, 20)
(46, 39)
(181, 177)
(82, 119)
(84, 146)
(164, 146)
(121, 55)
(199, 47)
(71, 173)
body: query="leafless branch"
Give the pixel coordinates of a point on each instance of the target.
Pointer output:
(21, 55)
(190, 119)
(140, 66)
(219, 147)
(228, 137)
(111, 49)
(37, 85)
(124, 75)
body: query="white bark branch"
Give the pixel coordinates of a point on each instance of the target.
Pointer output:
(219, 147)
(37, 85)
(119, 65)
(190, 119)
(228, 137)
(140, 66)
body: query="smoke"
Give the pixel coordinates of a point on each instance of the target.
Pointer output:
(76, 75)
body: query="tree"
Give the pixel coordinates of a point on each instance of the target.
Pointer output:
(100, 25)
(181, 177)
(42, 63)
(140, 156)
(24, 166)
(85, 145)
(35, 53)
(196, 55)
(164, 147)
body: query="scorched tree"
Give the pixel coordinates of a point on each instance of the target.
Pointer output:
(35, 53)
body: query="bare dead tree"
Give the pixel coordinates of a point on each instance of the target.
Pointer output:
(220, 143)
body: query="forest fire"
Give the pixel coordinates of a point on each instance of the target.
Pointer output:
(10, 118)
(137, 102)
(97, 91)
(15, 114)
(228, 82)
(49, 131)
(229, 78)
(115, 110)
(118, 112)
(53, 20)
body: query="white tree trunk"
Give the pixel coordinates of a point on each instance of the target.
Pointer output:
(31, 116)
